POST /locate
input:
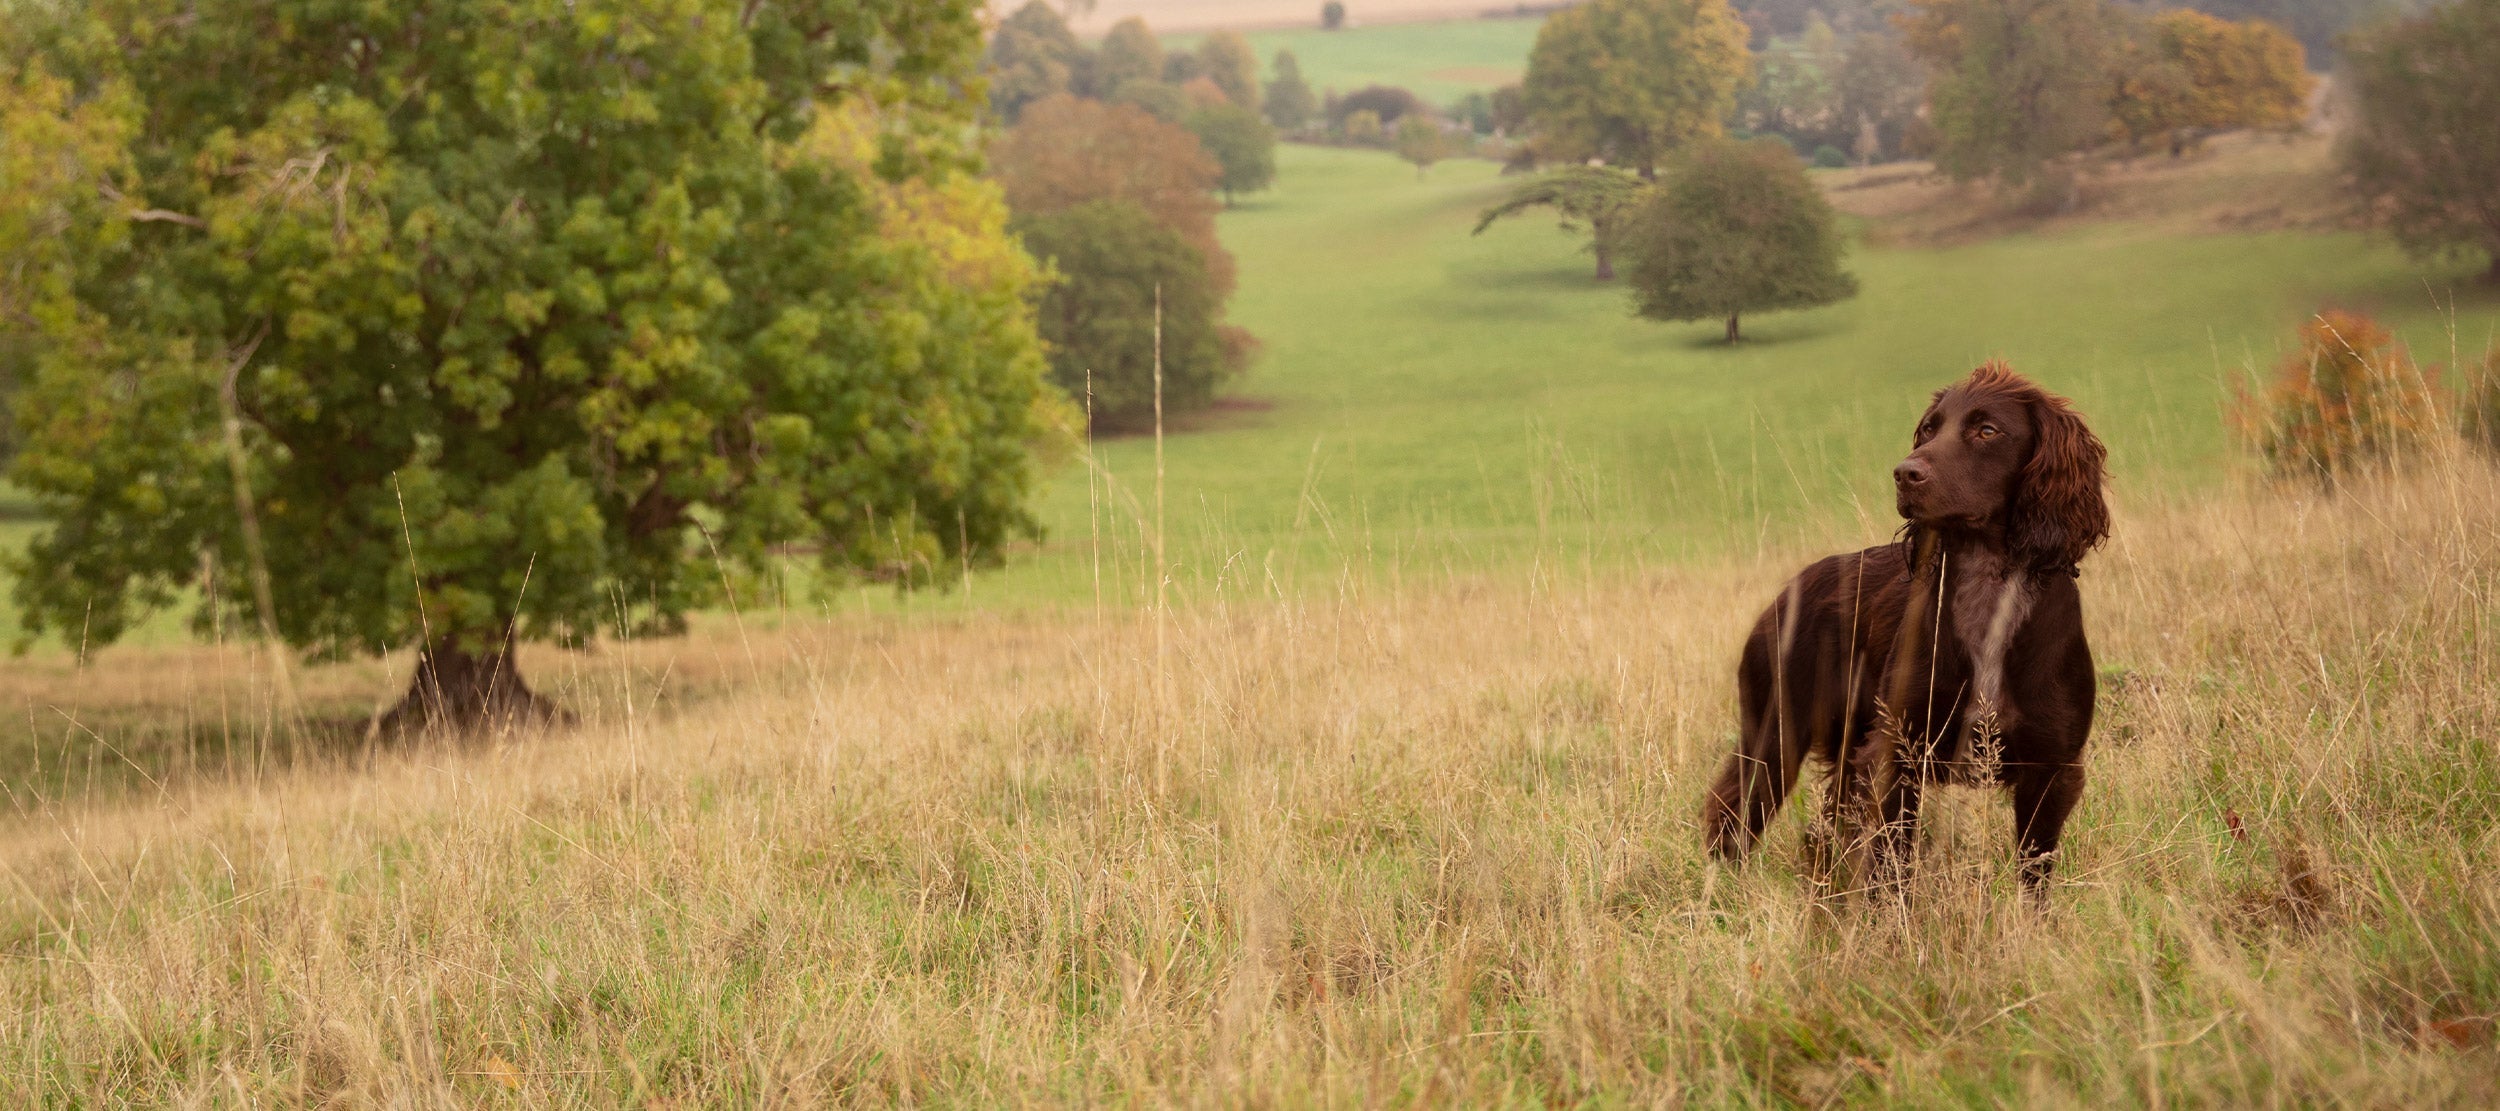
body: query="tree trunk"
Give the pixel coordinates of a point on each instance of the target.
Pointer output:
(1732, 335)
(456, 690)
(2492, 276)
(1605, 260)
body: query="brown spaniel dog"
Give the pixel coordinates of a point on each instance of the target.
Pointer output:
(1955, 655)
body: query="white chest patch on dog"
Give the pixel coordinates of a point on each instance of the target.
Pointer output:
(1994, 601)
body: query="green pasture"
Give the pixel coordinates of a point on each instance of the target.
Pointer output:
(1439, 61)
(1429, 400)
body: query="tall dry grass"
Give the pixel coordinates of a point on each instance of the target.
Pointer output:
(1402, 841)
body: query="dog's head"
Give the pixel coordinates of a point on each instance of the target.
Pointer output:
(1996, 454)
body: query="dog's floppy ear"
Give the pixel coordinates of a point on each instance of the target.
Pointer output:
(2058, 515)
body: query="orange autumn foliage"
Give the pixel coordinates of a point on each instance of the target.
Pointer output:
(2349, 398)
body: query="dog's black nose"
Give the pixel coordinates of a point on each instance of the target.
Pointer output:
(1910, 473)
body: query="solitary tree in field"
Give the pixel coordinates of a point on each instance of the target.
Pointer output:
(1332, 15)
(1290, 103)
(1419, 141)
(1110, 258)
(2422, 148)
(1596, 197)
(1629, 80)
(1242, 143)
(516, 313)
(1735, 228)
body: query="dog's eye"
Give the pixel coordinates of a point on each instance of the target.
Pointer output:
(1987, 432)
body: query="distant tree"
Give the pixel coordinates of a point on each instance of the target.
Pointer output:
(1630, 80)
(1242, 143)
(1510, 110)
(1363, 126)
(1597, 198)
(1033, 55)
(1474, 111)
(1129, 53)
(1332, 15)
(1203, 93)
(507, 313)
(2421, 146)
(1067, 151)
(1735, 228)
(1226, 59)
(2184, 72)
(1109, 259)
(1878, 91)
(1388, 102)
(1419, 140)
(2017, 85)
(1181, 67)
(1161, 99)
(1290, 103)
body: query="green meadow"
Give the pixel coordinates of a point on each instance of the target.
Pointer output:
(1430, 400)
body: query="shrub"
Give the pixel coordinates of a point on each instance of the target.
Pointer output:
(1829, 157)
(1332, 15)
(2349, 398)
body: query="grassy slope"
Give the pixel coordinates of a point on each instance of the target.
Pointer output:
(1442, 400)
(1440, 62)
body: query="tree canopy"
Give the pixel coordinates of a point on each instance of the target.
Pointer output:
(1735, 228)
(2184, 71)
(1109, 259)
(1033, 56)
(2422, 149)
(518, 305)
(1290, 103)
(1630, 80)
(1242, 143)
(1420, 142)
(2017, 84)
(1595, 197)
(1226, 59)
(1067, 151)
(1129, 53)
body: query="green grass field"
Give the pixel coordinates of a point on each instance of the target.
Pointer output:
(1432, 402)
(1440, 62)
(1438, 400)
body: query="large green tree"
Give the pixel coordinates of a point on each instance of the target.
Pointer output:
(526, 311)
(2422, 148)
(1629, 80)
(1597, 198)
(1735, 228)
